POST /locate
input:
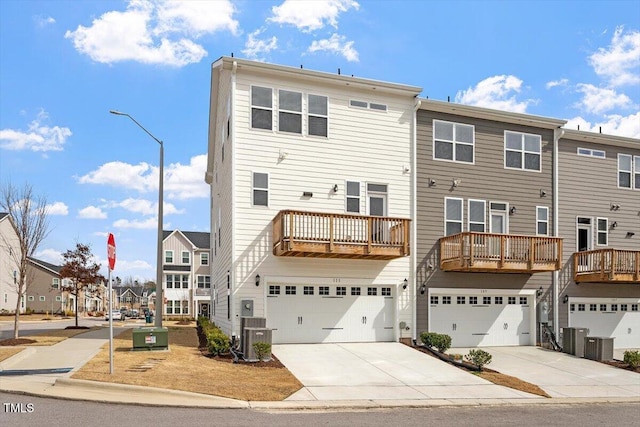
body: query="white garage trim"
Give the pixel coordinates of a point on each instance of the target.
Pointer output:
(506, 318)
(617, 318)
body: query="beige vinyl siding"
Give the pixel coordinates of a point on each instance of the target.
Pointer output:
(486, 179)
(587, 188)
(40, 285)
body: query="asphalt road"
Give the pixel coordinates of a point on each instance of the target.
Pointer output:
(27, 411)
(34, 328)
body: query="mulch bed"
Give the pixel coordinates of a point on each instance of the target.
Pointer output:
(16, 341)
(77, 327)
(620, 364)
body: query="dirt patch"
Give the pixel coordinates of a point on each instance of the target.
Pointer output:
(184, 367)
(7, 352)
(47, 337)
(16, 341)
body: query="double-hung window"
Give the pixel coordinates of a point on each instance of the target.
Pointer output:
(204, 282)
(453, 141)
(317, 116)
(353, 197)
(204, 258)
(522, 151)
(603, 231)
(477, 215)
(289, 111)
(260, 189)
(261, 107)
(542, 220)
(628, 171)
(186, 258)
(453, 216)
(168, 257)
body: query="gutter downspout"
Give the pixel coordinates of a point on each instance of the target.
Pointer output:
(232, 289)
(557, 134)
(414, 245)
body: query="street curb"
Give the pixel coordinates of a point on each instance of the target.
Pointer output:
(16, 358)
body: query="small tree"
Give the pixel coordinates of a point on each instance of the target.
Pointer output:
(28, 215)
(82, 271)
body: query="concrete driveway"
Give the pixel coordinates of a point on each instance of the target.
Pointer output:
(381, 371)
(560, 374)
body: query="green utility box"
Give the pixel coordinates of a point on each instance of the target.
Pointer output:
(148, 338)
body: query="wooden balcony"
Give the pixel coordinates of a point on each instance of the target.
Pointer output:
(500, 253)
(326, 235)
(606, 266)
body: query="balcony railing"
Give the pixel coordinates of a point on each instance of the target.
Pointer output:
(500, 253)
(203, 292)
(327, 235)
(607, 266)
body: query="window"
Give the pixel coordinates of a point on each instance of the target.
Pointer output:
(523, 300)
(323, 290)
(274, 290)
(434, 299)
(42, 298)
(497, 300)
(593, 307)
(446, 300)
(603, 307)
(542, 220)
(169, 307)
(461, 300)
(591, 153)
(581, 307)
(317, 116)
(307, 290)
(386, 292)
(379, 107)
(30, 298)
(473, 300)
(260, 189)
(55, 283)
(572, 307)
(614, 307)
(204, 282)
(169, 281)
(453, 141)
(186, 257)
(511, 300)
(341, 290)
(168, 257)
(636, 173)
(623, 307)
(355, 291)
(369, 105)
(522, 151)
(289, 290)
(486, 300)
(58, 298)
(453, 216)
(353, 196)
(204, 258)
(290, 111)
(477, 216)
(603, 231)
(261, 107)
(372, 291)
(359, 104)
(185, 307)
(634, 307)
(625, 164)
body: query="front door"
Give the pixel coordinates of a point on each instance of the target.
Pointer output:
(584, 240)
(377, 201)
(498, 224)
(204, 309)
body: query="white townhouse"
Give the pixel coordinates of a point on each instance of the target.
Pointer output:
(186, 277)
(311, 188)
(9, 247)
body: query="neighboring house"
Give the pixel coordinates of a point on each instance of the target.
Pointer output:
(310, 176)
(131, 297)
(599, 218)
(44, 293)
(9, 247)
(485, 247)
(186, 273)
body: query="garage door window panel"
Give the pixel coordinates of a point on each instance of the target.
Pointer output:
(308, 290)
(274, 290)
(341, 290)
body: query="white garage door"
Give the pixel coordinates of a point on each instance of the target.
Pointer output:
(616, 318)
(317, 314)
(474, 318)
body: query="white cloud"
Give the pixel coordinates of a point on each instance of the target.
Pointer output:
(57, 208)
(154, 32)
(37, 137)
(614, 124)
(554, 83)
(180, 181)
(51, 256)
(599, 100)
(619, 64)
(336, 44)
(91, 212)
(254, 48)
(148, 223)
(144, 206)
(311, 15)
(497, 92)
(124, 265)
(43, 21)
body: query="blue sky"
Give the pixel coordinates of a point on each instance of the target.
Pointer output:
(65, 64)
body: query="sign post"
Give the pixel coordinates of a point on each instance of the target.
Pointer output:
(111, 256)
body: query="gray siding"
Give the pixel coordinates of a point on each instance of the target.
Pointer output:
(486, 179)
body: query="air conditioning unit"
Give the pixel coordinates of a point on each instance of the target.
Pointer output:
(250, 322)
(597, 348)
(252, 336)
(573, 340)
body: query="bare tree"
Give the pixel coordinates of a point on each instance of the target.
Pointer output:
(28, 214)
(81, 269)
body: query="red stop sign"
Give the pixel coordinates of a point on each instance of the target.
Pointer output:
(111, 251)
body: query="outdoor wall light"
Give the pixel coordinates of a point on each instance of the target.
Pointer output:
(456, 182)
(405, 283)
(630, 234)
(432, 182)
(614, 224)
(614, 207)
(513, 210)
(565, 299)
(335, 188)
(423, 288)
(539, 292)
(543, 193)
(257, 280)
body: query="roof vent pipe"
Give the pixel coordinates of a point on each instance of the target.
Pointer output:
(338, 71)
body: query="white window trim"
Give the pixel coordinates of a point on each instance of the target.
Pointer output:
(308, 114)
(591, 234)
(506, 211)
(630, 171)
(589, 152)
(367, 106)
(454, 142)
(376, 193)
(204, 282)
(30, 298)
(204, 255)
(605, 231)
(484, 214)
(182, 257)
(299, 113)
(253, 187)
(523, 151)
(359, 197)
(173, 259)
(546, 220)
(461, 214)
(636, 171)
(251, 107)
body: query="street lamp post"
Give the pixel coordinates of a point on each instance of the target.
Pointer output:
(159, 296)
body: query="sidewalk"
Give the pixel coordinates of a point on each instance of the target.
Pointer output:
(75, 352)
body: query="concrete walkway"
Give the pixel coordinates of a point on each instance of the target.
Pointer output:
(335, 376)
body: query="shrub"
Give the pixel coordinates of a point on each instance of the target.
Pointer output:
(440, 342)
(478, 357)
(217, 341)
(262, 349)
(632, 358)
